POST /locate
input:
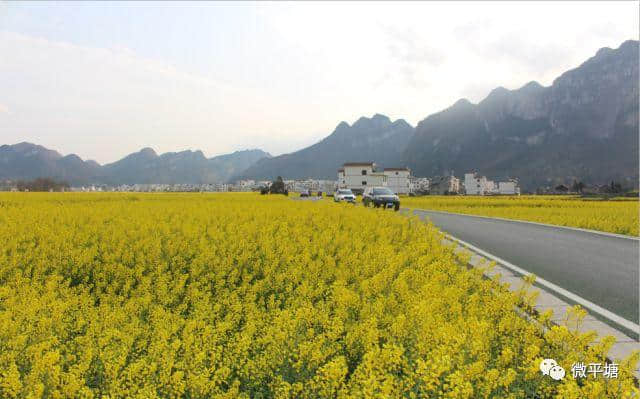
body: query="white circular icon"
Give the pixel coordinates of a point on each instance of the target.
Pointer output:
(546, 365)
(556, 372)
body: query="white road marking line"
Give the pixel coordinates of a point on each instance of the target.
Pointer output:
(621, 321)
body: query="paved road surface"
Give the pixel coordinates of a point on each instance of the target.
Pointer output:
(602, 269)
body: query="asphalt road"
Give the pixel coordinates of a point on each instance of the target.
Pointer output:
(602, 269)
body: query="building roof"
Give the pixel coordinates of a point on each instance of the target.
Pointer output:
(358, 164)
(341, 170)
(405, 168)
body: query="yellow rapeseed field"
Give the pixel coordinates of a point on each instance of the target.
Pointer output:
(249, 296)
(619, 215)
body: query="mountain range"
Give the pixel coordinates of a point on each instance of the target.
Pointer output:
(28, 161)
(584, 127)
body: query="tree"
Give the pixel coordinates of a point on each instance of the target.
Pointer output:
(41, 184)
(561, 188)
(578, 186)
(278, 187)
(614, 188)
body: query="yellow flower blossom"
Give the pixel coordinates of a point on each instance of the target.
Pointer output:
(249, 296)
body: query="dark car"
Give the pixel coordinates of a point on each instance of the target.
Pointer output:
(380, 196)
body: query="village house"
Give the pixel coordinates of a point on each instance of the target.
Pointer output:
(477, 185)
(480, 185)
(245, 185)
(509, 187)
(398, 179)
(359, 175)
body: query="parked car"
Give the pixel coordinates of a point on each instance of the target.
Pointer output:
(320, 194)
(305, 193)
(380, 196)
(344, 194)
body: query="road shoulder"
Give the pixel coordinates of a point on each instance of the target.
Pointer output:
(546, 300)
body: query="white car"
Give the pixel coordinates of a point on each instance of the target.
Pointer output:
(344, 194)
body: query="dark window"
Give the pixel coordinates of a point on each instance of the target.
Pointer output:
(364, 172)
(364, 183)
(382, 191)
(396, 173)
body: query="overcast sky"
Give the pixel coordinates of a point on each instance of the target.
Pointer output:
(103, 80)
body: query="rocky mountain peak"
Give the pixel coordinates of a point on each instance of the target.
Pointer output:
(462, 105)
(630, 46)
(401, 123)
(381, 118)
(603, 51)
(30, 149)
(148, 152)
(72, 158)
(463, 102)
(378, 120)
(499, 92)
(532, 86)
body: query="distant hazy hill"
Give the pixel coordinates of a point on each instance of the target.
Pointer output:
(368, 139)
(146, 166)
(28, 161)
(585, 125)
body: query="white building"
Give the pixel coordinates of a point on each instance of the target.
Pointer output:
(477, 185)
(300, 185)
(480, 185)
(508, 187)
(245, 185)
(359, 175)
(313, 185)
(491, 187)
(398, 179)
(327, 186)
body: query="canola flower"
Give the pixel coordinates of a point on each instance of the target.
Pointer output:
(249, 296)
(618, 215)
